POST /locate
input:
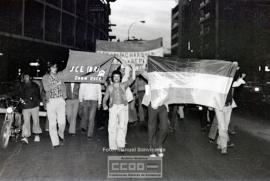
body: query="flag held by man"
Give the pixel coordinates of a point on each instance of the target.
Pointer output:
(189, 81)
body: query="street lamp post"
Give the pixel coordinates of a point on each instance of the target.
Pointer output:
(132, 25)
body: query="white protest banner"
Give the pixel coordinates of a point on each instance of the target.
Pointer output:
(131, 52)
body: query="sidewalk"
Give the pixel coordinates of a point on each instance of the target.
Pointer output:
(254, 125)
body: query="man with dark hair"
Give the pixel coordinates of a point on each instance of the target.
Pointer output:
(158, 121)
(30, 93)
(140, 90)
(224, 115)
(55, 95)
(158, 124)
(118, 109)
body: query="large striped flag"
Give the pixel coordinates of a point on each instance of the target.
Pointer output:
(187, 81)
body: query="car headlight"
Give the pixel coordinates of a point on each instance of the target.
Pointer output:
(9, 110)
(257, 89)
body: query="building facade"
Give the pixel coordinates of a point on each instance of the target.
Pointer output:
(175, 30)
(44, 30)
(235, 30)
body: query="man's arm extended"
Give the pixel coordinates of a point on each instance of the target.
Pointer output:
(145, 75)
(99, 96)
(132, 78)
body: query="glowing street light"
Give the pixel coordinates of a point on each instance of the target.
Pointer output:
(34, 64)
(132, 25)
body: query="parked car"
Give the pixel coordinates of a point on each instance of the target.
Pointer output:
(255, 98)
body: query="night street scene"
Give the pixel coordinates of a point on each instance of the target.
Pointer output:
(134, 90)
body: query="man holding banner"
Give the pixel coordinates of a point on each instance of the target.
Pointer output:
(158, 123)
(187, 81)
(82, 67)
(118, 109)
(224, 116)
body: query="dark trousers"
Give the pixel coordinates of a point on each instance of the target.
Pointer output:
(141, 108)
(212, 115)
(89, 108)
(173, 115)
(203, 117)
(102, 118)
(158, 126)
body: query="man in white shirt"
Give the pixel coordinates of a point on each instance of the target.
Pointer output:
(157, 130)
(90, 96)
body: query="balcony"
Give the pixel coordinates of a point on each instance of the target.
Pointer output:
(174, 46)
(205, 18)
(205, 31)
(201, 32)
(175, 15)
(174, 36)
(175, 25)
(204, 3)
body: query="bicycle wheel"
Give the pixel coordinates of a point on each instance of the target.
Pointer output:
(5, 132)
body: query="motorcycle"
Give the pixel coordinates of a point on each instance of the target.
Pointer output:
(12, 122)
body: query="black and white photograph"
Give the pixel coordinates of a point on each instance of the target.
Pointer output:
(173, 90)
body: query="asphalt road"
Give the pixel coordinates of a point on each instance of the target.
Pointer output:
(188, 156)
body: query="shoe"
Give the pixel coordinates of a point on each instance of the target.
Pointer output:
(181, 119)
(83, 130)
(132, 124)
(153, 155)
(211, 141)
(161, 155)
(37, 138)
(122, 150)
(61, 141)
(101, 128)
(218, 147)
(232, 132)
(55, 147)
(171, 129)
(224, 151)
(230, 145)
(89, 138)
(25, 140)
(203, 129)
(72, 134)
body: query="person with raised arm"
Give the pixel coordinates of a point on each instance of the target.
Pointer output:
(118, 109)
(55, 95)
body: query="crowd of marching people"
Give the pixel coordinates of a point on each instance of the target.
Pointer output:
(127, 98)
